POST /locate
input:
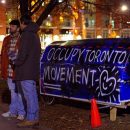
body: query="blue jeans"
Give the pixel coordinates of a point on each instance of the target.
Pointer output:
(16, 106)
(30, 93)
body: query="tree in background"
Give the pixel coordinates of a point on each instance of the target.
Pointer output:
(46, 7)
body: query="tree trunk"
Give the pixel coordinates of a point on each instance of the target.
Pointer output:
(24, 7)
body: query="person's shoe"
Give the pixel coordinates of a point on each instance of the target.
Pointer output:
(20, 117)
(8, 114)
(28, 124)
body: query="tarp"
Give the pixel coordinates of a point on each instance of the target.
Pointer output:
(82, 69)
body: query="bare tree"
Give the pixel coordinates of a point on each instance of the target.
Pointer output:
(52, 6)
(26, 8)
(49, 8)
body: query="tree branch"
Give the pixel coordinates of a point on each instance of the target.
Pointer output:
(96, 4)
(32, 7)
(47, 11)
(37, 8)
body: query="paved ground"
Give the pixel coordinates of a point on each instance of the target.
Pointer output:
(10, 124)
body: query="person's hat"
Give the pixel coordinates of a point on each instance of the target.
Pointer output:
(15, 22)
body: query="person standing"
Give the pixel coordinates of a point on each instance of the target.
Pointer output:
(8, 55)
(27, 68)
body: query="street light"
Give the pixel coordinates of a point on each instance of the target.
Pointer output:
(3, 1)
(60, 1)
(124, 8)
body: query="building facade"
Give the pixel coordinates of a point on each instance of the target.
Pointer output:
(2, 23)
(77, 20)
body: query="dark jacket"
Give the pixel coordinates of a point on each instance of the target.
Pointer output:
(27, 64)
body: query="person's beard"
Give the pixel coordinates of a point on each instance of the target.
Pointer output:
(12, 33)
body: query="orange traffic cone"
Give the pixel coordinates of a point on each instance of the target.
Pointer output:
(95, 116)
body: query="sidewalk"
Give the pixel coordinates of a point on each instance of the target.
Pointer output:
(10, 124)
